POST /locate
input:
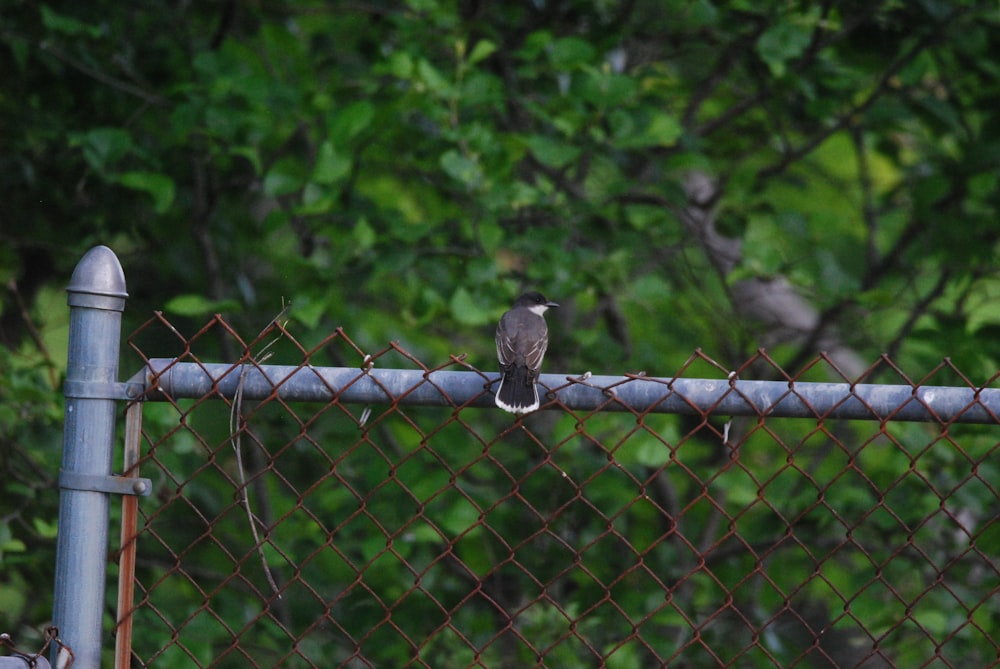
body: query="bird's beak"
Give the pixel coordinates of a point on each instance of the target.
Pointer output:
(551, 304)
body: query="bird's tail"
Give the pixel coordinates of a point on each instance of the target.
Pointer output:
(517, 392)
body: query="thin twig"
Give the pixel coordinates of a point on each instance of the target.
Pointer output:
(235, 430)
(124, 86)
(234, 420)
(33, 332)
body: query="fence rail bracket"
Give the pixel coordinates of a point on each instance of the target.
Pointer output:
(97, 390)
(114, 485)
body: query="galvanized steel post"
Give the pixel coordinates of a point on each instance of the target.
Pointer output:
(96, 296)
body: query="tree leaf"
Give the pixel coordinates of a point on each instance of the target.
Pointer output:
(484, 49)
(569, 52)
(102, 147)
(331, 166)
(198, 305)
(67, 25)
(461, 168)
(552, 152)
(784, 41)
(467, 310)
(348, 122)
(285, 176)
(158, 185)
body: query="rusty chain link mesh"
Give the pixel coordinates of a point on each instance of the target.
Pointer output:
(395, 536)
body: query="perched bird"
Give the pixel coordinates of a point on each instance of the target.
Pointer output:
(522, 338)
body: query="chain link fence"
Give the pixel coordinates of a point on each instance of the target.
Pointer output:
(332, 534)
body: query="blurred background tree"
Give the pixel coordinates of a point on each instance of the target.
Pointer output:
(680, 174)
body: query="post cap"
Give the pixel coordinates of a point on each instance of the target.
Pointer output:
(98, 281)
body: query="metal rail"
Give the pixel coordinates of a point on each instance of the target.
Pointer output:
(638, 394)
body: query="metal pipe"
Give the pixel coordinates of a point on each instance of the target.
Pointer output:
(719, 397)
(96, 296)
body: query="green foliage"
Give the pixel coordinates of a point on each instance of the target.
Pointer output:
(404, 171)
(30, 441)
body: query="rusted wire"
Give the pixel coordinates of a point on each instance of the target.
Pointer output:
(429, 537)
(64, 654)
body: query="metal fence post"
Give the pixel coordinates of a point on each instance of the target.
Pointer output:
(96, 296)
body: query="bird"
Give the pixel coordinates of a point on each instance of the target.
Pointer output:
(522, 337)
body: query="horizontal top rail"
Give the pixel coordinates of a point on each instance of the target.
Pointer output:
(165, 377)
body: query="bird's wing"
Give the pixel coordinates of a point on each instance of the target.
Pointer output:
(513, 348)
(505, 345)
(533, 356)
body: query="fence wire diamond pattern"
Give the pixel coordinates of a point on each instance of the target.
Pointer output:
(319, 535)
